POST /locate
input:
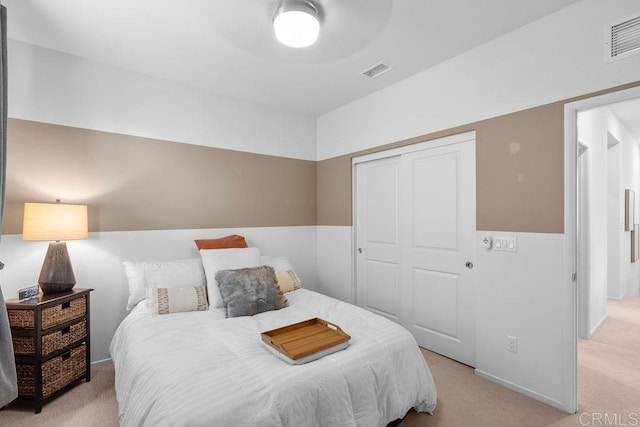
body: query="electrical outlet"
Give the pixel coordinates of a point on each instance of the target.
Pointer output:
(512, 344)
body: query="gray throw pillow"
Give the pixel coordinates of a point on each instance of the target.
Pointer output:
(249, 291)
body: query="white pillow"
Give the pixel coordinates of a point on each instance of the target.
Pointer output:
(162, 274)
(287, 278)
(215, 260)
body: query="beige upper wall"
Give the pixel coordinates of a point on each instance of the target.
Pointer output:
(519, 171)
(520, 183)
(133, 183)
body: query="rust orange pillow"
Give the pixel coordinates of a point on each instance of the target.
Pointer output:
(227, 242)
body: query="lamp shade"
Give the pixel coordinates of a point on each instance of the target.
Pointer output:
(54, 221)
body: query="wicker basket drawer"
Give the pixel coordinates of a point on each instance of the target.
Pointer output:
(26, 380)
(51, 316)
(56, 373)
(54, 341)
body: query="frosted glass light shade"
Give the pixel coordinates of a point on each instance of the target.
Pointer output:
(54, 221)
(296, 24)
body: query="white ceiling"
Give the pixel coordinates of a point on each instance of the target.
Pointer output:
(628, 112)
(227, 46)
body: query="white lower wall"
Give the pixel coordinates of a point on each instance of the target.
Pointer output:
(334, 262)
(97, 264)
(516, 294)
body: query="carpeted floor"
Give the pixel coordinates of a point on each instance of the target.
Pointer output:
(91, 404)
(608, 384)
(608, 389)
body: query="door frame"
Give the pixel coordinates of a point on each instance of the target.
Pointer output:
(419, 146)
(569, 284)
(581, 246)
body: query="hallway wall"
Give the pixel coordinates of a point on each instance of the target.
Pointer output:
(614, 166)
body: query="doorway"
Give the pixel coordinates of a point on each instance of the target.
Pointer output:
(582, 299)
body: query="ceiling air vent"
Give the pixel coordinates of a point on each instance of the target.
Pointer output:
(622, 38)
(376, 70)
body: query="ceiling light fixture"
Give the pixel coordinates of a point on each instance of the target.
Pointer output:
(297, 23)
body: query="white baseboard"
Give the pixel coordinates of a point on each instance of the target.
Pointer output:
(595, 328)
(529, 393)
(101, 362)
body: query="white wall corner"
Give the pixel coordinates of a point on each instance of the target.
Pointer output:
(335, 275)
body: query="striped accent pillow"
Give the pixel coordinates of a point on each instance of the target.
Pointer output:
(288, 280)
(176, 300)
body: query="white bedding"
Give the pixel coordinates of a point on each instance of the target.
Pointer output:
(201, 369)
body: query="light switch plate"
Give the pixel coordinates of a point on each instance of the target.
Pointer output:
(505, 244)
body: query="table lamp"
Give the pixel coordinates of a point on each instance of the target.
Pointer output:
(55, 221)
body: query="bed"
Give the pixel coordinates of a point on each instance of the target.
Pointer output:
(200, 368)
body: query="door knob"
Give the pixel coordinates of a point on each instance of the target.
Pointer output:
(360, 250)
(469, 265)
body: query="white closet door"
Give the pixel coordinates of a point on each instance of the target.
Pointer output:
(415, 232)
(378, 237)
(438, 232)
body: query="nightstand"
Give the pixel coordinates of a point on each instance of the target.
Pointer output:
(51, 343)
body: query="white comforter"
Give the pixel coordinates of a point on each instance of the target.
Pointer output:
(200, 369)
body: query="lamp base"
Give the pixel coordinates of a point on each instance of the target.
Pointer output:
(55, 288)
(57, 273)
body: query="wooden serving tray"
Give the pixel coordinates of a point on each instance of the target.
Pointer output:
(306, 341)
